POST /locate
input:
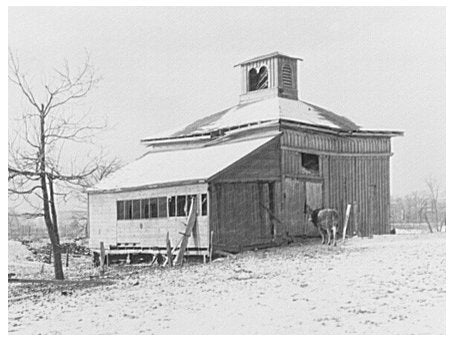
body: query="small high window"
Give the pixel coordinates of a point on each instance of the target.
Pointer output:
(120, 210)
(189, 201)
(150, 208)
(162, 207)
(145, 209)
(181, 204)
(153, 207)
(310, 163)
(204, 204)
(136, 209)
(172, 206)
(128, 209)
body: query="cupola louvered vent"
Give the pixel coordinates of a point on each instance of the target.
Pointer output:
(287, 76)
(274, 74)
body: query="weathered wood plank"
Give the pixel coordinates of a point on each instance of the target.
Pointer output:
(347, 216)
(192, 220)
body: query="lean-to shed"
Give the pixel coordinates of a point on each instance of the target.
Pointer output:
(253, 167)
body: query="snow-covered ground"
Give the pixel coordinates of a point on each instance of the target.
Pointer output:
(393, 284)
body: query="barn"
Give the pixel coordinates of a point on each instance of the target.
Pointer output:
(250, 170)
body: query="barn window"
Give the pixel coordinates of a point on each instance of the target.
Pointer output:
(136, 209)
(188, 202)
(162, 207)
(204, 204)
(128, 209)
(287, 76)
(120, 210)
(258, 81)
(172, 206)
(310, 163)
(181, 204)
(262, 81)
(252, 80)
(144, 208)
(153, 207)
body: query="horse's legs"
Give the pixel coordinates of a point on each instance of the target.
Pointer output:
(334, 234)
(328, 232)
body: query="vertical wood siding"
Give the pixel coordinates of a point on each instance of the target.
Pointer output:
(351, 169)
(237, 218)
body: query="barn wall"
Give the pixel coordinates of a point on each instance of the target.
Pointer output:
(351, 169)
(238, 218)
(261, 164)
(242, 197)
(105, 227)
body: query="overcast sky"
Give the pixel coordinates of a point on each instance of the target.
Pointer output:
(384, 68)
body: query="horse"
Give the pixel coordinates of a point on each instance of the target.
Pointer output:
(326, 220)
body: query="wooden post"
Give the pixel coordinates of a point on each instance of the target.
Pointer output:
(67, 257)
(347, 215)
(169, 250)
(211, 245)
(102, 255)
(355, 218)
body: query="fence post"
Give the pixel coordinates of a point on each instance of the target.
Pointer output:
(347, 215)
(102, 255)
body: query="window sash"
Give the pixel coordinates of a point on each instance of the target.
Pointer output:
(153, 207)
(204, 204)
(135, 209)
(162, 207)
(120, 210)
(181, 204)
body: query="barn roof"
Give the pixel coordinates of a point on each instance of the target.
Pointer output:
(177, 166)
(264, 110)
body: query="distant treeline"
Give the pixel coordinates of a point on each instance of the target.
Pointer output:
(420, 208)
(72, 225)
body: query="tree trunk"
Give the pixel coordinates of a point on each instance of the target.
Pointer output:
(58, 266)
(435, 204)
(428, 223)
(51, 224)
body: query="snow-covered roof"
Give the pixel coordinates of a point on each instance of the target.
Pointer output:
(180, 165)
(265, 110)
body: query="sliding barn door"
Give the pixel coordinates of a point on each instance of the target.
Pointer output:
(294, 198)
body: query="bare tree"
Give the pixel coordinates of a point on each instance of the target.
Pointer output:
(106, 166)
(35, 166)
(433, 197)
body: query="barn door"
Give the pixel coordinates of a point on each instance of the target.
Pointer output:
(314, 199)
(294, 199)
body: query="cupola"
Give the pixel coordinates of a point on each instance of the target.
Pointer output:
(274, 74)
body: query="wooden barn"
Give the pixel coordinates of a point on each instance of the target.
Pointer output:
(253, 169)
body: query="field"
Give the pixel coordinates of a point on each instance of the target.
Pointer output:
(393, 284)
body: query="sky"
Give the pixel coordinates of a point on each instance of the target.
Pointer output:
(161, 68)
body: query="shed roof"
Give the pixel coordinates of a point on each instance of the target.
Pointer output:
(176, 166)
(265, 110)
